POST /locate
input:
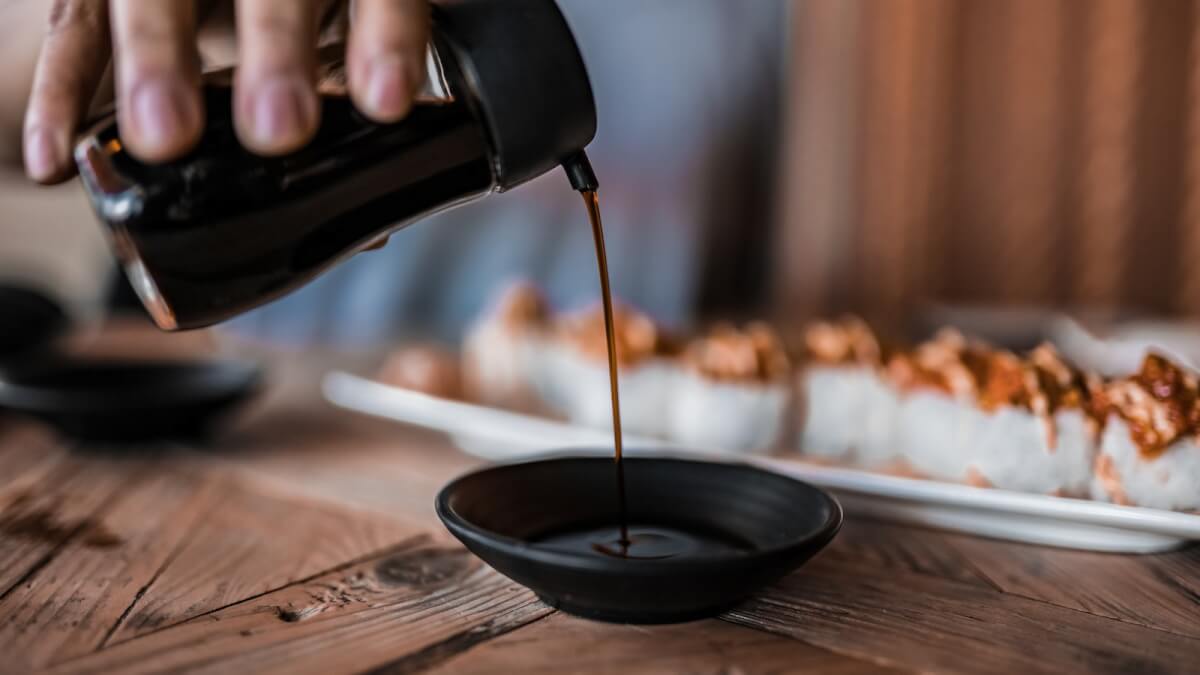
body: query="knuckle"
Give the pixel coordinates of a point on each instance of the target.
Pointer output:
(156, 43)
(70, 14)
(60, 79)
(276, 27)
(148, 34)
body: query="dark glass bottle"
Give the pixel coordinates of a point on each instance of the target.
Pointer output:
(221, 230)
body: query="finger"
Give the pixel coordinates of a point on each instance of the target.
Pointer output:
(73, 58)
(276, 108)
(386, 56)
(157, 77)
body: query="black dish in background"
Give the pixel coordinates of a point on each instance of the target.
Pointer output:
(498, 511)
(29, 321)
(128, 401)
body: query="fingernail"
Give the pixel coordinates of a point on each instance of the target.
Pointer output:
(388, 88)
(157, 111)
(41, 155)
(280, 112)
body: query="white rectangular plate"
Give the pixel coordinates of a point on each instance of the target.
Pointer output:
(502, 435)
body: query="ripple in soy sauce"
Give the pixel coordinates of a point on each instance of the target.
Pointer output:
(643, 542)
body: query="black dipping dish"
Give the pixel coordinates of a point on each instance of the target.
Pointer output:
(128, 401)
(771, 523)
(29, 321)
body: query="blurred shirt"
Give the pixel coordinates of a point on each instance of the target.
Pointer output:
(671, 78)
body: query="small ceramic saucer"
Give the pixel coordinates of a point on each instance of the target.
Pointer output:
(511, 515)
(118, 401)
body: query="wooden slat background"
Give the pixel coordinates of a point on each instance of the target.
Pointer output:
(1015, 152)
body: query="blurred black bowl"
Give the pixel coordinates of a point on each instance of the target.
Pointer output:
(29, 321)
(499, 512)
(124, 401)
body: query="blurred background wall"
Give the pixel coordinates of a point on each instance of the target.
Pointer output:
(802, 157)
(1005, 152)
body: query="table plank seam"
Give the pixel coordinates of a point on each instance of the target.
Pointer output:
(180, 546)
(789, 605)
(965, 558)
(1127, 622)
(899, 573)
(859, 658)
(418, 606)
(975, 569)
(458, 644)
(409, 542)
(872, 660)
(994, 586)
(1174, 583)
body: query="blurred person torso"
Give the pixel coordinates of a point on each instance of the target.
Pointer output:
(676, 82)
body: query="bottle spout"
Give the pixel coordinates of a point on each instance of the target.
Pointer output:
(579, 172)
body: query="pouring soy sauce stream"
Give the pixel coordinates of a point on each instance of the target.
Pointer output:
(220, 231)
(592, 200)
(583, 178)
(648, 542)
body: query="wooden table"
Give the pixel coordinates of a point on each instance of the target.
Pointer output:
(304, 541)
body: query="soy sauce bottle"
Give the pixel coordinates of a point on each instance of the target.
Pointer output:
(221, 231)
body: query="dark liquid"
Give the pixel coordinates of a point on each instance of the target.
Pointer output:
(641, 542)
(638, 541)
(621, 546)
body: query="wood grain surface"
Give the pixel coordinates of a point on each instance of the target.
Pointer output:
(570, 645)
(303, 541)
(925, 624)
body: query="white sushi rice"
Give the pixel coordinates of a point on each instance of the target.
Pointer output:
(499, 361)
(500, 350)
(729, 416)
(849, 414)
(1016, 450)
(1170, 480)
(577, 386)
(932, 432)
(1010, 448)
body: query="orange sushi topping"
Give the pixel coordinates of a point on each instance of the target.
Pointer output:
(846, 341)
(521, 305)
(638, 337)
(753, 354)
(1160, 404)
(1041, 381)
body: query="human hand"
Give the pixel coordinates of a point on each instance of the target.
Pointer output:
(153, 45)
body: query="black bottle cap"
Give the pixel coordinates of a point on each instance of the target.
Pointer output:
(523, 66)
(580, 173)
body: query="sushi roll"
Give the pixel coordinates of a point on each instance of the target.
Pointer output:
(1039, 432)
(427, 368)
(986, 417)
(936, 407)
(500, 351)
(1149, 454)
(847, 409)
(734, 392)
(574, 379)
